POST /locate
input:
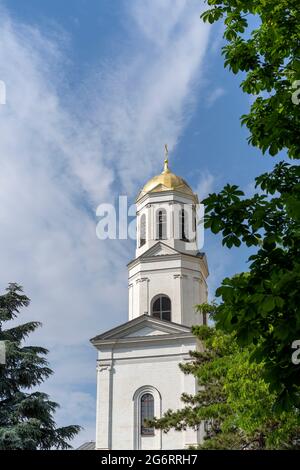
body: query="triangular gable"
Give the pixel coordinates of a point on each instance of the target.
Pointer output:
(142, 326)
(145, 331)
(159, 249)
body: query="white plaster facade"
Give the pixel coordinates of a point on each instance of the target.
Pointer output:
(142, 356)
(163, 270)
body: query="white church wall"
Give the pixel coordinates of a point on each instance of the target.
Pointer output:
(123, 371)
(129, 378)
(136, 350)
(180, 277)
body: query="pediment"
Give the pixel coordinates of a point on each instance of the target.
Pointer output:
(160, 249)
(146, 331)
(143, 326)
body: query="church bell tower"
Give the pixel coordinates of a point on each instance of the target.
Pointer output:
(138, 376)
(167, 265)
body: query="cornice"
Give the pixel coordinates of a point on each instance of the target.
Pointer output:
(142, 340)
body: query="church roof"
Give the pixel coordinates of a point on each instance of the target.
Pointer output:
(91, 445)
(143, 326)
(167, 181)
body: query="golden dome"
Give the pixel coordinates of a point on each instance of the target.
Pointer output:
(166, 181)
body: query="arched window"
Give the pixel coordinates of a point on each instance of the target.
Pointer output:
(146, 405)
(183, 225)
(147, 412)
(195, 227)
(161, 224)
(143, 230)
(161, 308)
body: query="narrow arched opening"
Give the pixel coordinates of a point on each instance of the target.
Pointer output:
(161, 307)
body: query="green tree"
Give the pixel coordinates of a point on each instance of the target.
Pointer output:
(269, 56)
(233, 399)
(26, 419)
(263, 305)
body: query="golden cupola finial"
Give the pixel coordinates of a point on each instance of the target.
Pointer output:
(166, 162)
(167, 181)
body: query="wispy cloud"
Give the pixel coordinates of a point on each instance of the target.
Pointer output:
(205, 184)
(58, 161)
(214, 95)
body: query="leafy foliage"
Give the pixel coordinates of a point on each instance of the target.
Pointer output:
(269, 55)
(26, 419)
(262, 305)
(233, 399)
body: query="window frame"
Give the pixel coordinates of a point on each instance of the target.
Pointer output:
(161, 310)
(161, 224)
(146, 431)
(143, 230)
(136, 398)
(183, 225)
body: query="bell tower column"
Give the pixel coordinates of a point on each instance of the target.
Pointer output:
(143, 286)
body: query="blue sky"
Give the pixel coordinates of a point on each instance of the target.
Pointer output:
(94, 90)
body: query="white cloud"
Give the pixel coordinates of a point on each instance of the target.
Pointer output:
(157, 19)
(214, 96)
(58, 161)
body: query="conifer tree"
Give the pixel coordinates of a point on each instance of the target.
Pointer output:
(26, 417)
